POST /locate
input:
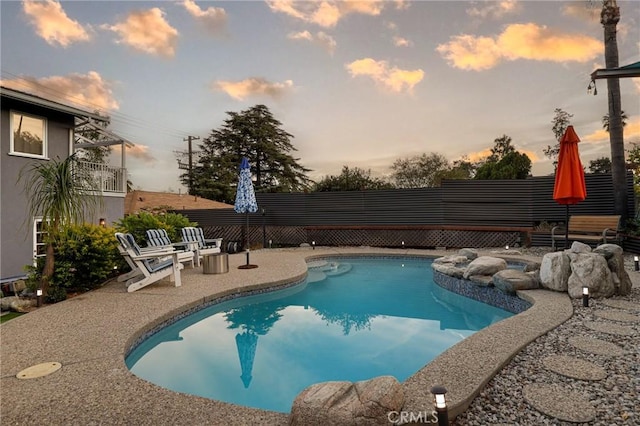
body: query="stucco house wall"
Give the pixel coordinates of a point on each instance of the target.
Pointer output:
(16, 227)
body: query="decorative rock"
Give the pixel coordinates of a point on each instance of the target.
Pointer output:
(448, 269)
(556, 401)
(453, 259)
(16, 304)
(578, 247)
(345, 403)
(469, 253)
(532, 266)
(609, 328)
(608, 250)
(617, 316)
(555, 270)
(575, 368)
(596, 346)
(485, 265)
(614, 256)
(512, 280)
(481, 280)
(590, 270)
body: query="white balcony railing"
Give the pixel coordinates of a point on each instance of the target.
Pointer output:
(109, 179)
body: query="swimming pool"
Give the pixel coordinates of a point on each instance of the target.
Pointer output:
(353, 319)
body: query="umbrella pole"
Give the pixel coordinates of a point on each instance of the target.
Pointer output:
(566, 229)
(246, 232)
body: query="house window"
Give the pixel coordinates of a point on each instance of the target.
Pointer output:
(28, 135)
(39, 236)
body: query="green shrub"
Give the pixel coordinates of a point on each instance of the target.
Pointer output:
(632, 227)
(138, 224)
(85, 257)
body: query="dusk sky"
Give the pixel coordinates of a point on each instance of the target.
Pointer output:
(358, 83)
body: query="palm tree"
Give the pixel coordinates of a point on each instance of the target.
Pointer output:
(62, 194)
(609, 18)
(605, 120)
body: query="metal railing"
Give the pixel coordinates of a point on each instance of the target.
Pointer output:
(109, 179)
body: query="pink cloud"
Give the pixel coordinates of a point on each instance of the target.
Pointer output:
(52, 23)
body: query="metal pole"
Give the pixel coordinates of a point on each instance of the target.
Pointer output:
(566, 227)
(246, 234)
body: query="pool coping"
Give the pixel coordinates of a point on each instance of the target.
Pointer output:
(91, 333)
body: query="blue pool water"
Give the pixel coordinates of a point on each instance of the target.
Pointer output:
(353, 319)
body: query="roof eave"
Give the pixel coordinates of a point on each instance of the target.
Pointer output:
(46, 103)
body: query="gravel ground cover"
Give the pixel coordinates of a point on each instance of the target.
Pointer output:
(614, 398)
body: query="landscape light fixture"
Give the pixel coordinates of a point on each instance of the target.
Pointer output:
(39, 297)
(636, 263)
(506, 247)
(103, 222)
(403, 244)
(585, 296)
(270, 243)
(313, 244)
(441, 405)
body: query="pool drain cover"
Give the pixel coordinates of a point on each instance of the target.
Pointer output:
(39, 370)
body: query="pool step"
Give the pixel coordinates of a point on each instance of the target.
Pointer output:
(320, 270)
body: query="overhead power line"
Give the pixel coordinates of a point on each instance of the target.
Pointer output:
(116, 117)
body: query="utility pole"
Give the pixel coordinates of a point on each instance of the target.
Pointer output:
(190, 139)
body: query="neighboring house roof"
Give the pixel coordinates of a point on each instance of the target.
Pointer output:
(137, 201)
(47, 103)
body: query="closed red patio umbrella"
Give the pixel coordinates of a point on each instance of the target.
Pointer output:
(569, 187)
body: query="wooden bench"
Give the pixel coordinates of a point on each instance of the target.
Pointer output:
(588, 229)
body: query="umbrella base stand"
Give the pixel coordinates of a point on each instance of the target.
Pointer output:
(247, 265)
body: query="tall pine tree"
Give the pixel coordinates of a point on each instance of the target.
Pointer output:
(253, 133)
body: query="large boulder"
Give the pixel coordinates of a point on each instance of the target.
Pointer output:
(345, 403)
(511, 280)
(469, 253)
(448, 269)
(481, 280)
(590, 270)
(579, 247)
(532, 266)
(555, 269)
(614, 255)
(453, 259)
(485, 265)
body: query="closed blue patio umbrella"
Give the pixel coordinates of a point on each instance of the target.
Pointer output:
(246, 343)
(245, 201)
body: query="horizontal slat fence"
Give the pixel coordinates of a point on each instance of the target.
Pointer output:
(460, 213)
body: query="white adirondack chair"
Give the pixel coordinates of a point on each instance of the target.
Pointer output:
(158, 238)
(150, 265)
(203, 247)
